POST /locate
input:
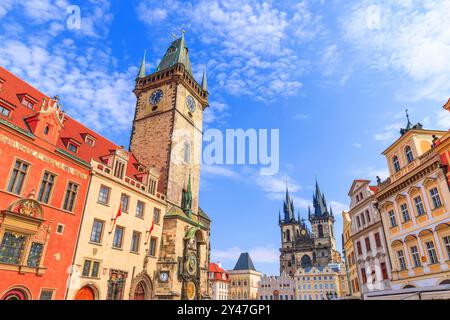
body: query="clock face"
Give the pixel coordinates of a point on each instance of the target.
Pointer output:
(303, 232)
(156, 96)
(190, 103)
(191, 264)
(190, 290)
(163, 276)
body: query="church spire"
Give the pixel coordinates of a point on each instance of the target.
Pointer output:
(141, 73)
(288, 207)
(204, 81)
(319, 203)
(177, 53)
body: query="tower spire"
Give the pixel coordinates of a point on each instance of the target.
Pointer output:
(408, 124)
(141, 73)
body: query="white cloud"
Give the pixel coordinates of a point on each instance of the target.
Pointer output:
(251, 42)
(90, 90)
(390, 132)
(219, 170)
(371, 173)
(267, 254)
(407, 37)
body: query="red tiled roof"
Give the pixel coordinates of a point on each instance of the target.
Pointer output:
(218, 272)
(374, 189)
(14, 86)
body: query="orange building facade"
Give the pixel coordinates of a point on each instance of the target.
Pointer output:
(43, 184)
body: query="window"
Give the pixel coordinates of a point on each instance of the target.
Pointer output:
(416, 257)
(140, 206)
(97, 231)
(89, 140)
(409, 154)
(419, 206)
(367, 240)
(392, 219)
(358, 246)
(384, 271)
(187, 153)
(46, 294)
(34, 257)
(48, 180)
(17, 177)
(124, 201)
(152, 187)
(405, 212)
(103, 195)
(135, 241)
(60, 229)
(72, 148)
(46, 130)
(69, 199)
(378, 240)
(118, 237)
(156, 215)
(431, 252)
(91, 268)
(358, 222)
(368, 216)
(12, 247)
(446, 241)
(152, 248)
(119, 169)
(320, 230)
(27, 103)
(363, 276)
(435, 198)
(5, 112)
(401, 260)
(396, 164)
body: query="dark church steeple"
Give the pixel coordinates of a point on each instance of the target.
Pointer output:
(288, 207)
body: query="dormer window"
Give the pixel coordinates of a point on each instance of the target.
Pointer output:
(409, 154)
(90, 141)
(72, 147)
(46, 130)
(152, 186)
(396, 164)
(119, 169)
(5, 111)
(27, 101)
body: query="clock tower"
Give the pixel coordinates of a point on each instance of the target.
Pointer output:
(167, 135)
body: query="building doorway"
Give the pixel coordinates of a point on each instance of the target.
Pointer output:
(15, 294)
(85, 293)
(140, 291)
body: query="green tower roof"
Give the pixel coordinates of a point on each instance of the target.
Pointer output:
(177, 53)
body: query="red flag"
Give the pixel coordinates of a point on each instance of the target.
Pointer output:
(151, 228)
(119, 213)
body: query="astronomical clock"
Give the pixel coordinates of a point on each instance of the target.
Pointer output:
(191, 270)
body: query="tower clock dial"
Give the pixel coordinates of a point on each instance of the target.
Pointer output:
(156, 97)
(190, 103)
(191, 264)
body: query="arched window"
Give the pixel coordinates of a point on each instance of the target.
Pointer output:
(288, 235)
(187, 152)
(396, 164)
(320, 230)
(409, 154)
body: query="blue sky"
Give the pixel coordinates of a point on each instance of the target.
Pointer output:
(334, 76)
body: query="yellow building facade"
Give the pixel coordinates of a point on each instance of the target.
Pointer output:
(244, 280)
(117, 260)
(414, 204)
(349, 256)
(321, 283)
